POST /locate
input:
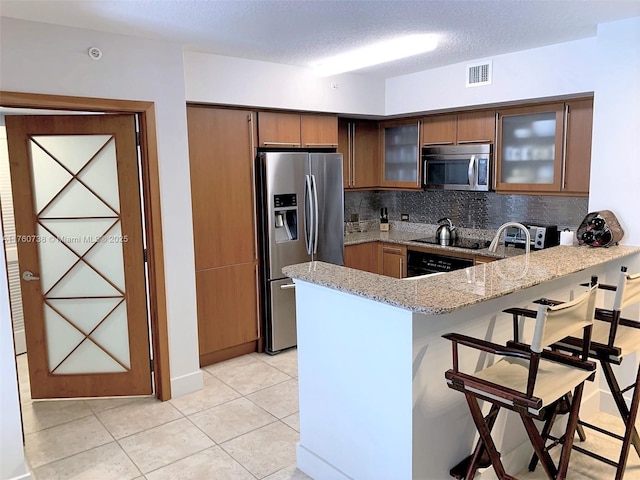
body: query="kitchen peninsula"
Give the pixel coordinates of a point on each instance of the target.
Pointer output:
(373, 400)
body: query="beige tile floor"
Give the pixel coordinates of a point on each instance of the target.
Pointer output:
(242, 426)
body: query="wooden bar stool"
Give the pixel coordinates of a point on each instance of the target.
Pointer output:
(528, 379)
(613, 337)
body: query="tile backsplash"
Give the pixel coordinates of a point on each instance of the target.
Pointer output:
(477, 210)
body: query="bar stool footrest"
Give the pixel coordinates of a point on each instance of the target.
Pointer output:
(460, 470)
(601, 430)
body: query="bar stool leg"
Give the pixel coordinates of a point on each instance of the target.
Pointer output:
(538, 444)
(546, 429)
(567, 444)
(630, 429)
(485, 435)
(621, 403)
(480, 450)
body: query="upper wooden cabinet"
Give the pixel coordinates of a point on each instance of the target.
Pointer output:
(477, 127)
(293, 130)
(459, 128)
(221, 164)
(545, 148)
(319, 131)
(577, 159)
(400, 146)
(359, 145)
(279, 129)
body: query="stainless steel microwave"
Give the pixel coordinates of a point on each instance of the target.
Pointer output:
(457, 167)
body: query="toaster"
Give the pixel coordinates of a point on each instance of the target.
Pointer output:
(542, 236)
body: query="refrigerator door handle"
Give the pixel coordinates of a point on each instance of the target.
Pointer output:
(308, 223)
(314, 188)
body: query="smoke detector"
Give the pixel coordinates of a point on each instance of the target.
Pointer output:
(479, 73)
(95, 53)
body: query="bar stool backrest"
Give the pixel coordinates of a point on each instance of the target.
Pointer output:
(553, 323)
(628, 291)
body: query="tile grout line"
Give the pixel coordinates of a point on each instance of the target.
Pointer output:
(181, 415)
(120, 447)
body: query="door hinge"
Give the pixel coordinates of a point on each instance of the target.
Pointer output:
(137, 139)
(144, 255)
(151, 364)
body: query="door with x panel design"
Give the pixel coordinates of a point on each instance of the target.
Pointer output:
(80, 247)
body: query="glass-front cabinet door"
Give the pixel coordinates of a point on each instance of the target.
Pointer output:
(401, 149)
(530, 149)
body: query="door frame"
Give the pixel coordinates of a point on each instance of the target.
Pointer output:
(152, 212)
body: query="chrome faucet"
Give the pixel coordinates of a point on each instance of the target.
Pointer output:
(494, 243)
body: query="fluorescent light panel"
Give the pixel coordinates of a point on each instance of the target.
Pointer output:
(376, 54)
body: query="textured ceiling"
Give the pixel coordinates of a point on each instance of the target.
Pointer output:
(300, 32)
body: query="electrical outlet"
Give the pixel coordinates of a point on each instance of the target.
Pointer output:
(404, 217)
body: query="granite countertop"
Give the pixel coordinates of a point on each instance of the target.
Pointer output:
(407, 238)
(444, 293)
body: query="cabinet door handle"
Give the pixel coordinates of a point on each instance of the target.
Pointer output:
(494, 165)
(393, 250)
(353, 154)
(258, 322)
(307, 144)
(480, 140)
(349, 148)
(419, 159)
(563, 173)
(437, 143)
(401, 268)
(253, 178)
(280, 144)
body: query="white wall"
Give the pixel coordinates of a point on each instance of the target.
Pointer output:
(615, 164)
(41, 58)
(225, 80)
(12, 462)
(561, 69)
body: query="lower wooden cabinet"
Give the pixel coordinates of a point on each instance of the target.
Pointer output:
(364, 256)
(227, 324)
(394, 260)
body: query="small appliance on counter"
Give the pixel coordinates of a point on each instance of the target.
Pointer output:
(384, 220)
(542, 236)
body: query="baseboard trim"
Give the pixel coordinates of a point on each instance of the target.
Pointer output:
(227, 353)
(26, 476)
(316, 467)
(185, 384)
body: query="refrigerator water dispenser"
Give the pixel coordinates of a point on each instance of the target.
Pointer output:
(285, 216)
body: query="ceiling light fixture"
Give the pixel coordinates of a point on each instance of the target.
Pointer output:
(376, 54)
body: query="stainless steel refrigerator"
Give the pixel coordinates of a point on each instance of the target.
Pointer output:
(301, 205)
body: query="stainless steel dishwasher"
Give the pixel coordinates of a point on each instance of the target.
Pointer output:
(423, 263)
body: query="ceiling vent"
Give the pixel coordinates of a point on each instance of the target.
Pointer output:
(479, 73)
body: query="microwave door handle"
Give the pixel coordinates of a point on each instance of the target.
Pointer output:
(424, 173)
(472, 171)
